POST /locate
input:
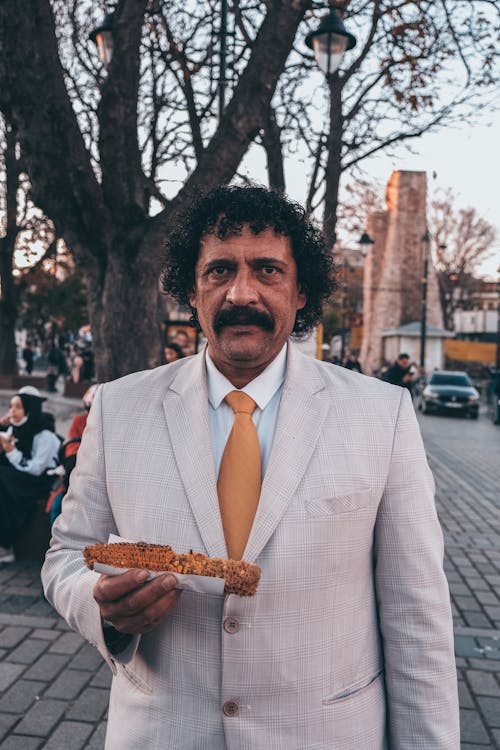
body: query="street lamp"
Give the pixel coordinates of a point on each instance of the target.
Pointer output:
(102, 36)
(423, 318)
(330, 40)
(364, 242)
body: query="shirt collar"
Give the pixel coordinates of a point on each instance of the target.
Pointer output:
(261, 389)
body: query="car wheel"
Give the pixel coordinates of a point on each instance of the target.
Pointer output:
(425, 409)
(474, 415)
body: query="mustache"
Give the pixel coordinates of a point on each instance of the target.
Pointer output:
(243, 316)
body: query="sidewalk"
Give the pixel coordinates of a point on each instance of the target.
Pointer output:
(54, 685)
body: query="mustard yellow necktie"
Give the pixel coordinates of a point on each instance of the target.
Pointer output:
(240, 475)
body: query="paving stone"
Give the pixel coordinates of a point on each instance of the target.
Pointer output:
(467, 603)
(496, 736)
(477, 619)
(484, 665)
(41, 718)
(90, 705)
(472, 728)
(458, 589)
(88, 658)
(10, 637)
(44, 634)
(103, 677)
(69, 734)
(478, 584)
(490, 708)
(28, 651)
(69, 683)
(491, 647)
(487, 597)
(20, 696)
(68, 643)
(21, 743)
(493, 612)
(6, 723)
(47, 667)
(96, 742)
(9, 674)
(464, 697)
(465, 645)
(483, 683)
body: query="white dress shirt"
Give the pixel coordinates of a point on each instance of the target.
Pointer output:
(265, 390)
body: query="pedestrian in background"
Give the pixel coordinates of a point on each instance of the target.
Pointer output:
(400, 372)
(28, 358)
(28, 448)
(172, 352)
(352, 363)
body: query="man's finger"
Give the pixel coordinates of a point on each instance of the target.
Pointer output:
(148, 618)
(111, 588)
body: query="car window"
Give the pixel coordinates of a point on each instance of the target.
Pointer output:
(443, 378)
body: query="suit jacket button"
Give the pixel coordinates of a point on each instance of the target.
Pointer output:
(230, 708)
(231, 625)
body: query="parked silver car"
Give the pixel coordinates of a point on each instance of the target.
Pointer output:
(449, 391)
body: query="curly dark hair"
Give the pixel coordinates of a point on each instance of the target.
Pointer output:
(223, 211)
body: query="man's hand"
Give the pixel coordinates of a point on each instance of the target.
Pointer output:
(132, 606)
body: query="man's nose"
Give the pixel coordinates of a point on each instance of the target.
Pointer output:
(243, 290)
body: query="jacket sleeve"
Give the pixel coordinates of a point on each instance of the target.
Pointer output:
(413, 600)
(86, 518)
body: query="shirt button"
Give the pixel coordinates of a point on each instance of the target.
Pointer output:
(230, 708)
(231, 625)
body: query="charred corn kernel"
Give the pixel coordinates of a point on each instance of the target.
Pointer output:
(240, 577)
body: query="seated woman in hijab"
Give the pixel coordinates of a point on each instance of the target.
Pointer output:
(28, 448)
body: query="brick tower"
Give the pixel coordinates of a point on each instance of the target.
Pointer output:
(392, 288)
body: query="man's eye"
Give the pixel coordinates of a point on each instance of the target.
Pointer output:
(218, 270)
(268, 270)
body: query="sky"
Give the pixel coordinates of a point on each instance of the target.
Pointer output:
(465, 158)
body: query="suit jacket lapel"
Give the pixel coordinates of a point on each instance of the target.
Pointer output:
(300, 420)
(186, 410)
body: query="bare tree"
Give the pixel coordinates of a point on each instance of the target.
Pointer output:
(100, 148)
(418, 66)
(462, 240)
(114, 155)
(23, 229)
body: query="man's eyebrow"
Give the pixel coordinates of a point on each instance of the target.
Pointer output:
(270, 261)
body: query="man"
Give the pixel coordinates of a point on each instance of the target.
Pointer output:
(400, 372)
(352, 362)
(347, 644)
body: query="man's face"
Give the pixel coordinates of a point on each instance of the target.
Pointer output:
(246, 296)
(403, 362)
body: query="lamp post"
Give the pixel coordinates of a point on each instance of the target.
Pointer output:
(330, 40)
(329, 43)
(498, 326)
(423, 318)
(365, 242)
(102, 36)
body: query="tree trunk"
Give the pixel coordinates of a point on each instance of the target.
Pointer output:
(333, 165)
(8, 292)
(8, 310)
(123, 314)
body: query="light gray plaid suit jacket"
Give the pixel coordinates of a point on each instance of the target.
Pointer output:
(348, 643)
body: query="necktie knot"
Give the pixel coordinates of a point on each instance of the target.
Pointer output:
(241, 402)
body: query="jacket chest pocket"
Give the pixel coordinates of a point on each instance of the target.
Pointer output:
(360, 500)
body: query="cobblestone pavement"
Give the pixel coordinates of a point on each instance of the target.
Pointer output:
(465, 459)
(54, 686)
